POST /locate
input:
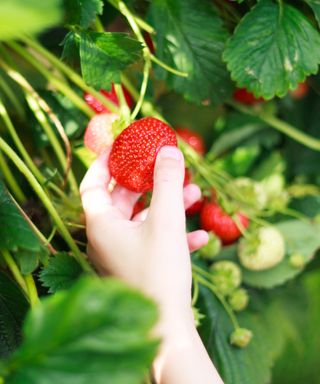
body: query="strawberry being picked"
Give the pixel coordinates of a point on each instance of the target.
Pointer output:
(213, 218)
(134, 153)
(98, 135)
(111, 95)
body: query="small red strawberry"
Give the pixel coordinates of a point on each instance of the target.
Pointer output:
(98, 135)
(195, 208)
(98, 107)
(245, 97)
(193, 139)
(300, 92)
(214, 219)
(134, 153)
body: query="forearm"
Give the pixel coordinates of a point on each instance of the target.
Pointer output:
(182, 357)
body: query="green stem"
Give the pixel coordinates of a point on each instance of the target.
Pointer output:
(18, 143)
(222, 300)
(32, 290)
(140, 22)
(72, 75)
(130, 87)
(98, 25)
(146, 51)
(47, 203)
(11, 181)
(12, 97)
(143, 90)
(14, 270)
(35, 229)
(57, 148)
(24, 153)
(195, 291)
(281, 126)
(167, 67)
(53, 80)
(125, 110)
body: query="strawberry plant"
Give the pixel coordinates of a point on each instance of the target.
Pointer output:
(235, 84)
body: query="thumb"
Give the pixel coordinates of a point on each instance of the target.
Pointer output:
(167, 206)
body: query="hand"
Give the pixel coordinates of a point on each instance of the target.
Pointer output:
(151, 251)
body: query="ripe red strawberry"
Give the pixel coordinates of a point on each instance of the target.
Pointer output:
(193, 139)
(98, 107)
(134, 153)
(300, 92)
(195, 208)
(214, 219)
(98, 135)
(245, 97)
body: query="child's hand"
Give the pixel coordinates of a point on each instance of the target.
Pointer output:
(152, 254)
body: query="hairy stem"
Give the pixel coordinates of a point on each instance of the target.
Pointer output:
(226, 306)
(11, 181)
(53, 80)
(32, 290)
(14, 270)
(24, 153)
(143, 90)
(281, 126)
(12, 97)
(65, 160)
(47, 203)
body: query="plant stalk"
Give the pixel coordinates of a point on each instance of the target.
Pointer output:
(14, 270)
(11, 181)
(47, 203)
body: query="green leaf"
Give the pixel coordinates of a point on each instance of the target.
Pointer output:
(191, 37)
(70, 53)
(315, 5)
(27, 16)
(251, 365)
(13, 307)
(96, 332)
(15, 232)
(28, 261)
(273, 49)
(61, 273)
(104, 55)
(301, 238)
(83, 12)
(301, 355)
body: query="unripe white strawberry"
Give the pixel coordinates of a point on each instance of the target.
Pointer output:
(263, 250)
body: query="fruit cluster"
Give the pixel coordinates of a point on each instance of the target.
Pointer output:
(131, 164)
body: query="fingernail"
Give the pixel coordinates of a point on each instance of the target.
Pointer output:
(170, 152)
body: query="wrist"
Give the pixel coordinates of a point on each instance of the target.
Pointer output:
(175, 325)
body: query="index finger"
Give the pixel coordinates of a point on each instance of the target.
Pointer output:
(94, 187)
